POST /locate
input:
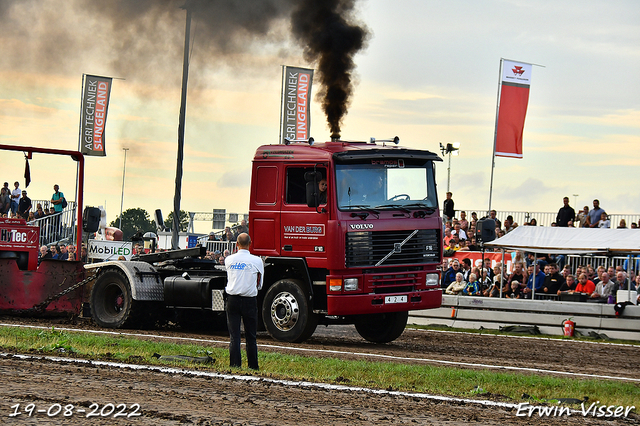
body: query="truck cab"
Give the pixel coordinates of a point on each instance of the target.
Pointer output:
(365, 251)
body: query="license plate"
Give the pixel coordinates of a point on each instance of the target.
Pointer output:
(395, 299)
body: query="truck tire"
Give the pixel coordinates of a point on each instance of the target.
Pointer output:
(382, 328)
(111, 300)
(286, 312)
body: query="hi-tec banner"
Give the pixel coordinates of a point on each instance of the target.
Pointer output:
(296, 96)
(514, 97)
(95, 103)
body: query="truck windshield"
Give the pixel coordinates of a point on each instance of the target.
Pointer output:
(369, 186)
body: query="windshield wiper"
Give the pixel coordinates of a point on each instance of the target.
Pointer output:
(361, 206)
(422, 206)
(394, 206)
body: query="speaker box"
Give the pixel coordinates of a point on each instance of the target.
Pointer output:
(485, 230)
(91, 219)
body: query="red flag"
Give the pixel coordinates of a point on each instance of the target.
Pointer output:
(514, 97)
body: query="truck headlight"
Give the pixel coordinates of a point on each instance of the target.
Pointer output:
(350, 284)
(433, 280)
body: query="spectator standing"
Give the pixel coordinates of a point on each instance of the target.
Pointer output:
(57, 199)
(582, 216)
(244, 279)
(24, 205)
(466, 268)
(464, 223)
(448, 207)
(492, 215)
(15, 197)
(5, 201)
(450, 275)
(64, 253)
(519, 275)
(539, 281)
(593, 218)
(565, 214)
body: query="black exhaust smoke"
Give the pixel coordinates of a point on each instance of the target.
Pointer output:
(331, 39)
(142, 39)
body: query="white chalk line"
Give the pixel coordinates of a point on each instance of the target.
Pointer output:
(292, 383)
(335, 352)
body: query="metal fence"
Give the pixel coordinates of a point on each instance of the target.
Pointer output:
(574, 261)
(546, 218)
(59, 227)
(218, 245)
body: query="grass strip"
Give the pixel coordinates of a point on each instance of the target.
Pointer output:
(450, 381)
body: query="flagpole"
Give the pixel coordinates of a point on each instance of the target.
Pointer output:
(281, 103)
(495, 136)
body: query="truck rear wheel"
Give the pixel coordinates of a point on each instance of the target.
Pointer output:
(111, 300)
(286, 312)
(382, 328)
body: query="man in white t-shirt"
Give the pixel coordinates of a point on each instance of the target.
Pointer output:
(244, 278)
(16, 194)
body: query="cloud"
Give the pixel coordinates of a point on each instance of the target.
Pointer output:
(239, 178)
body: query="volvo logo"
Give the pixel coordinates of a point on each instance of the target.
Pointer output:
(361, 226)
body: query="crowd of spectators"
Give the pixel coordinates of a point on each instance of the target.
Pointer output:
(15, 203)
(61, 251)
(460, 233)
(548, 281)
(230, 234)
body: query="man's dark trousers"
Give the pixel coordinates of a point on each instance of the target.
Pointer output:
(245, 308)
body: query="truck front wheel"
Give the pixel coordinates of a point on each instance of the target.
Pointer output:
(286, 312)
(111, 300)
(382, 328)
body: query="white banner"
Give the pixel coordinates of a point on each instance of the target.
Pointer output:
(109, 250)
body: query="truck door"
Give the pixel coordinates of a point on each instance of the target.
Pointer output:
(303, 228)
(264, 226)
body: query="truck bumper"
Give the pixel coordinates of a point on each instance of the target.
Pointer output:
(357, 304)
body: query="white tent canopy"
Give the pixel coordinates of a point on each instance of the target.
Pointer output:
(554, 240)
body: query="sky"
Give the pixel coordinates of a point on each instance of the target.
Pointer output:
(428, 73)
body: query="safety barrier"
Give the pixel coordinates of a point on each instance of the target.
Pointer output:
(545, 218)
(491, 313)
(58, 227)
(221, 246)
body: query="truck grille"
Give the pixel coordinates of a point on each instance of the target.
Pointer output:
(365, 249)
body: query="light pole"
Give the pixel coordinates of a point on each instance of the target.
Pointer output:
(124, 169)
(450, 148)
(575, 200)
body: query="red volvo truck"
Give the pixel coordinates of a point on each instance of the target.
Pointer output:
(365, 252)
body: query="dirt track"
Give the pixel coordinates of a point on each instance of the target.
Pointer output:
(167, 398)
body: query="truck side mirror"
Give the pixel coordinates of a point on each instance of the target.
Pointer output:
(312, 179)
(312, 194)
